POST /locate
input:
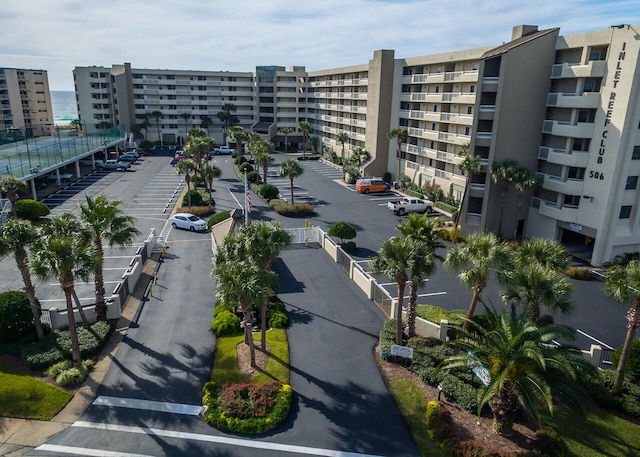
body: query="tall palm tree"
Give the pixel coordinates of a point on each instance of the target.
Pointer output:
(209, 173)
(106, 222)
(622, 283)
(313, 142)
(264, 241)
(205, 123)
(400, 136)
(11, 186)
(157, 115)
(305, 128)
(252, 137)
(198, 146)
(482, 254)
(144, 125)
(526, 371)
(470, 166)
(503, 174)
(360, 155)
(242, 282)
(62, 254)
(543, 251)
(523, 181)
(260, 149)
(291, 169)
(188, 169)
(186, 117)
(394, 260)
(226, 116)
(534, 286)
(197, 132)
(239, 135)
(286, 131)
(342, 138)
(16, 237)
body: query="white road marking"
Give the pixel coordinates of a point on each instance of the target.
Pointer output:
(86, 451)
(149, 405)
(239, 442)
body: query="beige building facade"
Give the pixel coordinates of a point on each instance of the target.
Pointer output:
(25, 102)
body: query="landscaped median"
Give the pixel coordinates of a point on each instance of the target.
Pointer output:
(248, 403)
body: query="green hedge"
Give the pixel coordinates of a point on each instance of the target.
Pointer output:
(32, 210)
(268, 191)
(292, 210)
(217, 218)
(444, 206)
(225, 323)
(435, 314)
(16, 318)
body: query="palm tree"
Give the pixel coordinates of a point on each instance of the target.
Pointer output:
(314, 141)
(239, 135)
(242, 282)
(422, 229)
(305, 128)
(394, 260)
(227, 118)
(470, 166)
(10, 186)
(106, 222)
(260, 150)
(503, 174)
(291, 169)
(543, 251)
(62, 254)
(252, 137)
(525, 370)
(523, 181)
(144, 125)
(482, 254)
(534, 286)
(157, 115)
(286, 131)
(188, 169)
(360, 155)
(198, 146)
(622, 283)
(342, 138)
(75, 123)
(186, 117)
(263, 242)
(205, 123)
(209, 173)
(16, 237)
(400, 136)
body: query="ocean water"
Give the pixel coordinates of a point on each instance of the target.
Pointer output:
(64, 106)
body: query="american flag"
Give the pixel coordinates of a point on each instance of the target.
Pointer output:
(247, 192)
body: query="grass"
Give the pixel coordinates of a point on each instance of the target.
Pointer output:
(413, 407)
(225, 365)
(598, 434)
(24, 397)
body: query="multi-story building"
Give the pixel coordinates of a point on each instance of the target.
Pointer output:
(567, 108)
(25, 101)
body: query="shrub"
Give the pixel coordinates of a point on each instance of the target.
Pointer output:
(31, 210)
(435, 314)
(200, 211)
(342, 230)
(278, 319)
(196, 198)
(350, 174)
(217, 218)
(444, 206)
(293, 210)
(64, 373)
(16, 319)
(549, 443)
(225, 323)
(240, 160)
(413, 193)
(146, 145)
(253, 177)
(438, 422)
(632, 368)
(578, 273)
(245, 167)
(268, 191)
(224, 402)
(387, 334)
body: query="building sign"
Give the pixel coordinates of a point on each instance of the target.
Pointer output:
(575, 227)
(478, 369)
(402, 351)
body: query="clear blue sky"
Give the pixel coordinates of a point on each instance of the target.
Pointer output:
(238, 35)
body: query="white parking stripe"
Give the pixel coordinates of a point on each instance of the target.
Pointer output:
(86, 451)
(149, 405)
(239, 442)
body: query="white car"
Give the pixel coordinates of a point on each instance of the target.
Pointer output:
(188, 222)
(115, 165)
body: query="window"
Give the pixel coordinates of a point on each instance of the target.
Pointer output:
(636, 153)
(469, 110)
(632, 182)
(466, 131)
(472, 88)
(437, 89)
(625, 212)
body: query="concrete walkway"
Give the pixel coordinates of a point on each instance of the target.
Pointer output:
(20, 436)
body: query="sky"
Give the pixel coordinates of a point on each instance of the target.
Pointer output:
(238, 35)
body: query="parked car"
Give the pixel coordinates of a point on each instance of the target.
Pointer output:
(116, 165)
(99, 163)
(188, 221)
(366, 185)
(222, 150)
(64, 177)
(175, 160)
(128, 158)
(41, 183)
(410, 205)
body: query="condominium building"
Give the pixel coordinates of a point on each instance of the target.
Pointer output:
(25, 102)
(567, 108)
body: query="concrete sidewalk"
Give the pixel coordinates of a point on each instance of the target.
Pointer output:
(20, 436)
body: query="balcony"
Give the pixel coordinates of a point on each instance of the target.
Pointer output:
(566, 213)
(594, 69)
(565, 128)
(461, 76)
(578, 159)
(572, 100)
(569, 186)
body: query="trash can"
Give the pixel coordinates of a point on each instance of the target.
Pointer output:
(395, 185)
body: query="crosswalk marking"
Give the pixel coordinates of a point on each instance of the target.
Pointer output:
(86, 451)
(149, 405)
